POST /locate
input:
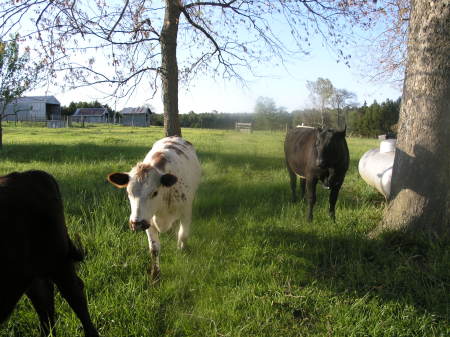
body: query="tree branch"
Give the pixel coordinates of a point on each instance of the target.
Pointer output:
(209, 3)
(118, 20)
(200, 28)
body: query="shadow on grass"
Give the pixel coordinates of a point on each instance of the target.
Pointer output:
(237, 160)
(219, 197)
(218, 193)
(417, 274)
(277, 194)
(393, 268)
(79, 153)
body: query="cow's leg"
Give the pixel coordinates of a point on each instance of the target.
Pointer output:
(71, 288)
(333, 198)
(11, 291)
(185, 226)
(155, 247)
(41, 294)
(311, 191)
(302, 188)
(293, 182)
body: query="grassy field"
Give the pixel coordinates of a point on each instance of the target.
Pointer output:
(254, 266)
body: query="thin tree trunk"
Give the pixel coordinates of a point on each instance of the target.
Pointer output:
(2, 114)
(420, 191)
(169, 68)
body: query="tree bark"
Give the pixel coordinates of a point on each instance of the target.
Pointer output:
(169, 68)
(420, 191)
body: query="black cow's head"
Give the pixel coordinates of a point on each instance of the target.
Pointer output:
(327, 146)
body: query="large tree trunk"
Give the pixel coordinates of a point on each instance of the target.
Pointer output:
(169, 68)
(420, 191)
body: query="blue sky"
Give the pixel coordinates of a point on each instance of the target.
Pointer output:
(285, 85)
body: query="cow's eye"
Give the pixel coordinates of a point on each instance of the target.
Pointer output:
(154, 194)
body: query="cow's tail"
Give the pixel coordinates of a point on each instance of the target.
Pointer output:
(76, 249)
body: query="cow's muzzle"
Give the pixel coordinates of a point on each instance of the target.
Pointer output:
(137, 226)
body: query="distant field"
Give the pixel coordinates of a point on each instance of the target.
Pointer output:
(254, 266)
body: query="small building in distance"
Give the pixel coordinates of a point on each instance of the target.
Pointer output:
(135, 116)
(33, 108)
(90, 115)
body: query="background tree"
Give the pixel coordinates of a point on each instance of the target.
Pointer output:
(308, 117)
(270, 117)
(139, 39)
(265, 111)
(73, 106)
(376, 119)
(16, 76)
(321, 92)
(386, 49)
(340, 99)
(420, 191)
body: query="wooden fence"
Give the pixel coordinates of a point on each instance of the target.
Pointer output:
(243, 127)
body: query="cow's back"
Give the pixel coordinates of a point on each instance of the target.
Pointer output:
(33, 236)
(299, 149)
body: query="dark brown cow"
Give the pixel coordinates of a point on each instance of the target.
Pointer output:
(36, 251)
(313, 155)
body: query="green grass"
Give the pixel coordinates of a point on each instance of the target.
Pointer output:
(254, 266)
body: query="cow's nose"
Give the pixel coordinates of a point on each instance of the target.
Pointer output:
(139, 225)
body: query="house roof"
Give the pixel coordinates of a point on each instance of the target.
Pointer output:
(91, 112)
(37, 99)
(135, 111)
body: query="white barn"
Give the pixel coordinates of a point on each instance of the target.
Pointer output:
(33, 108)
(135, 116)
(91, 115)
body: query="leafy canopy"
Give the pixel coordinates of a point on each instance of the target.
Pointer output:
(17, 74)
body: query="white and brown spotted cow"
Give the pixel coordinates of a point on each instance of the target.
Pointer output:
(161, 190)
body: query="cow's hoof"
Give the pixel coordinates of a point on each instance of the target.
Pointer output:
(155, 275)
(92, 333)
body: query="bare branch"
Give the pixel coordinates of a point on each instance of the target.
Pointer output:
(209, 3)
(118, 20)
(188, 17)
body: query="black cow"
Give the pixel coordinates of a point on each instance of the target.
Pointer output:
(36, 251)
(313, 155)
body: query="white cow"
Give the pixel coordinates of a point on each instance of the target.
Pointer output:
(161, 190)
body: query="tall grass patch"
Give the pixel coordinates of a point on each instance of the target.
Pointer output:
(253, 266)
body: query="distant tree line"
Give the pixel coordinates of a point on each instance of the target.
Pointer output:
(73, 106)
(207, 120)
(366, 120)
(376, 119)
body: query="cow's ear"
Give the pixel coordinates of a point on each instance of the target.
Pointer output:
(119, 179)
(168, 180)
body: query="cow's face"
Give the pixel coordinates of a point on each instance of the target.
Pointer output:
(143, 184)
(327, 145)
